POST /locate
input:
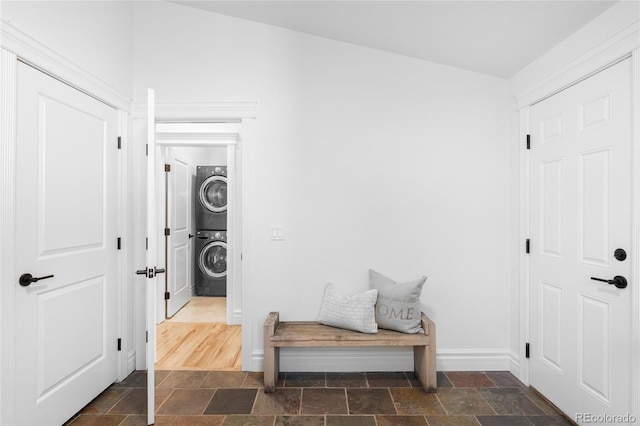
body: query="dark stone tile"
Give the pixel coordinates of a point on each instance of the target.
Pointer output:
(232, 401)
(324, 401)
(504, 379)
(415, 401)
(509, 401)
(224, 379)
(370, 401)
(550, 421)
(282, 401)
(351, 421)
(463, 401)
(305, 380)
(388, 379)
(98, 420)
(299, 421)
(443, 380)
(136, 379)
(138, 420)
(469, 379)
(198, 421)
(346, 380)
(413, 379)
(134, 403)
(452, 421)
(106, 400)
(186, 401)
(540, 401)
(161, 396)
(183, 379)
(387, 420)
(160, 376)
(503, 421)
(236, 420)
(254, 379)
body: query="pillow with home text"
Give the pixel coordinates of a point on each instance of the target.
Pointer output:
(398, 304)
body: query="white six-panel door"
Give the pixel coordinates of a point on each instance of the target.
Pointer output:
(580, 213)
(179, 255)
(66, 343)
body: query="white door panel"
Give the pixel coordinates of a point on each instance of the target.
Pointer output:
(580, 210)
(66, 227)
(179, 205)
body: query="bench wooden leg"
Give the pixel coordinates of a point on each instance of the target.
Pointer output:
(424, 364)
(271, 368)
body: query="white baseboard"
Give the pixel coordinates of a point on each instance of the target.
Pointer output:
(387, 359)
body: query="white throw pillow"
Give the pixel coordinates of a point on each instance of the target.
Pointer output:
(398, 306)
(351, 312)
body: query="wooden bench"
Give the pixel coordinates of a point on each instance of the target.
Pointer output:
(296, 334)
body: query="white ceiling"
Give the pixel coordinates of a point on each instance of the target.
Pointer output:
(492, 37)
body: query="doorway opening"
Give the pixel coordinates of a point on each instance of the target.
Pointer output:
(198, 324)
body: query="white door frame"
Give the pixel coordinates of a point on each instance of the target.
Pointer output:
(626, 44)
(16, 46)
(238, 118)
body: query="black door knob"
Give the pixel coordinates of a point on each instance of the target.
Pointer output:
(27, 279)
(618, 281)
(620, 254)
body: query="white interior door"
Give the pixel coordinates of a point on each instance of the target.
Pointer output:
(66, 337)
(580, 213)
(179, 254)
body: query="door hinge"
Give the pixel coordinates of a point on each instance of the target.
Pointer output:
(527, 246)
(119, 243)
(146, 336)
(167, 167)
(146, 149)
(167, 232)
(528, 141)
(119, 344)
(146, 243)
(526, 350)
(119, 142)
(167, 295)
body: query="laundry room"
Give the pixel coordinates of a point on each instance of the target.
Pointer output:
(193, 191)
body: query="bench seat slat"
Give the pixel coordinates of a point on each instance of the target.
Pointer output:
(308, 333)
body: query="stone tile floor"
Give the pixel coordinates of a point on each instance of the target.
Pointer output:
(331, 399)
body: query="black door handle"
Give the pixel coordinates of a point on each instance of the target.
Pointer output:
(618, 281)
(26, 279)
(150, 272)
(190, 235)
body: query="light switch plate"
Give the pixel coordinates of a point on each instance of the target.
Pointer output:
(277, 233)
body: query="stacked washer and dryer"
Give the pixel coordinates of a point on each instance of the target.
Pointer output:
(211, 231)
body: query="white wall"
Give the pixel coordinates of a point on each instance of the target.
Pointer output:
(94, 35)
(369, 160)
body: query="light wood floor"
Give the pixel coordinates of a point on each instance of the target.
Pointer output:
(187, 343)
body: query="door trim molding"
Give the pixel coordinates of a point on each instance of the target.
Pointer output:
(635, 230)
(595, 59)
(39, 56)
(8, 145)
(239, 302)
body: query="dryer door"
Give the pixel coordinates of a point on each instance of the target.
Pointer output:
(213, 259)
(213, 194)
